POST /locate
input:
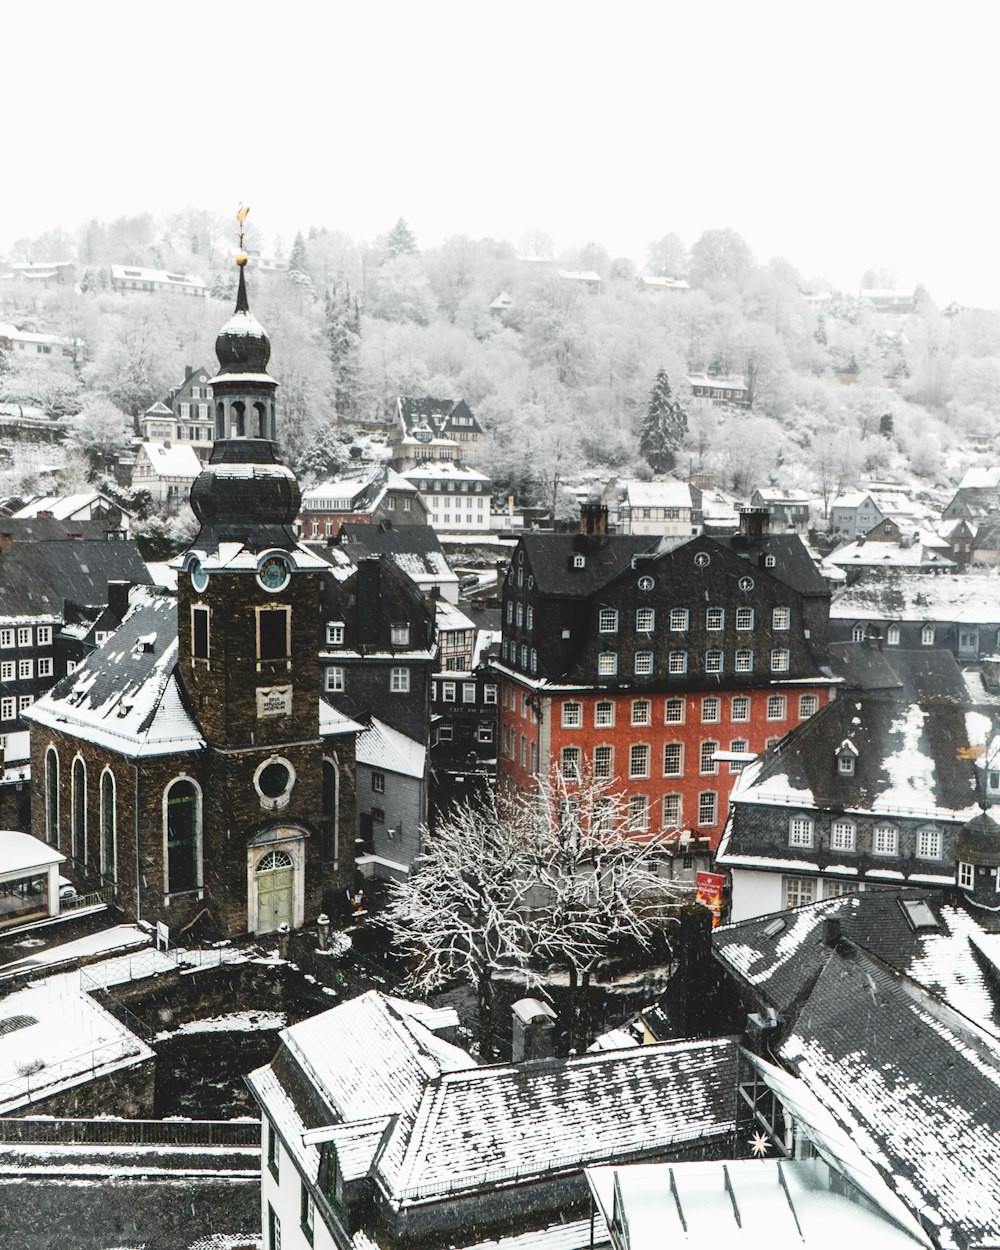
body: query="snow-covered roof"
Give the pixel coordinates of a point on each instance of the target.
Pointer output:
(444, 470)
(579, 275)
(665, 494)
(332, 722)
(968, 598)
(380, 746)
(21, 853)
(731, 382)
(448, 617)
(666, 284)
(178, 460)
(63, 507)
(125, 273)
(889, 555)
(126, 695)
(980, 478)
(50, 1042)
(769, 1202)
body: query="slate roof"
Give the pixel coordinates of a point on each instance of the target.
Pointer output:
(438, 413)
(126, 695)
(909, 743)
(415, 549)
(381, 746)
(551, 557)
(925, 674)
(487, 1125)
(914, 1083)
(38, 579)
(44, 529)
(792, 561)
(954, 961)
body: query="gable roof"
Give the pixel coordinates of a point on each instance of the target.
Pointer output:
(177, 460)
(914, 1083)
(605, 556)
(39, 579)
(381, 746)
(126, 695)
(897, 595)
(954, 960)
(440, 414)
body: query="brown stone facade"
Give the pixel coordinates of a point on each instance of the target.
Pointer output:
(236, 830)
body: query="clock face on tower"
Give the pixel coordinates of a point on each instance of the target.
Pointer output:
(273, 573)
(199, 578)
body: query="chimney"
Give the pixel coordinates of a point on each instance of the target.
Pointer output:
(755, 522)
(118, 598)
(6, 541)
(534, 1030)
(188, 373)
(831, 931)
(593, 517)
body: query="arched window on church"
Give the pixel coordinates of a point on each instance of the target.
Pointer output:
(331, 797)
(52, 797)
(239, 419)
(220, 420)
(109, 833)
(260, 420)
(79, 810)
(183, 835)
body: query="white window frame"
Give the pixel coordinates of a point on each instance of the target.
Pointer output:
(929, 842)
(715, 619)
(777, 707)
(572, 715)
(711, 710)
(607, 621)
(740, 702)
(334, 633)
(707, 765)
(399, 680)
(744, 660)
(708, 808)
(675, 749)
(670, 705)
(744, 619)
(781, 618)
(843, 835)
(714, 661)
(780, 658)
(604, 714)
(607, 664)
(927, 636)
(966, 876)
(645, 620)
(808, 705)
(798, 891)
(643, 663)
(679, 618)
(885, 841)
(642, 712)
(334, 679)
(801, 831)
(677, 662)
(638, 761)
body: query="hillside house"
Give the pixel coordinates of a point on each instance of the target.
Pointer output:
(167, 471)
(667, 507)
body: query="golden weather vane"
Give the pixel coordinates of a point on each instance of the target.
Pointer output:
(241, 216)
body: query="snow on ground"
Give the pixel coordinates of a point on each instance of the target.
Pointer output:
(235, 1022)
(118, 938)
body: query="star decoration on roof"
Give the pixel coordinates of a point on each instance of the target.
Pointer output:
(759, 1145)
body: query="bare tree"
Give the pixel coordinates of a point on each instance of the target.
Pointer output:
(555, 876)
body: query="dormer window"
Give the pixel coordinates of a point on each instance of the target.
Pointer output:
(927, 636)
(847, 754)
(579, 561)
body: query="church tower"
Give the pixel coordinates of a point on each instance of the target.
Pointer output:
(248, 654)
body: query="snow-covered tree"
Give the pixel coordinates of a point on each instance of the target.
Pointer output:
(515, 884)
(343, 334)
(401, 241)
(100, 431)
(663, 427)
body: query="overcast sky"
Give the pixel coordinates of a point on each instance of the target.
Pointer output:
(841, 136)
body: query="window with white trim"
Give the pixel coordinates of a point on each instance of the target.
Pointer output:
(707, 763)
(715, 618)
(24, 636)
(468, 692)
(448, 692)
(927, 636)
(671, 811)
(642, 712)
(800, 831)
(777, 707)
(966, 876)
(808, 705)
(638, 813)
(892, 636)
(843, 835)
(638, 760)
(779, 660)
(645, 619)
(744, 619)
(858, 633)
(673, 759)
(885, 840)
(643, 663)
(713, 661)
(604, 761)
(604, 714)
(799, 891)
(335, 679)
(740, 708)
(929, 844)
(678, 619)
(572, 715)
(489, 694)
(607, 664)
(739, 746)
(335, 633)
(707, 807)
(569, 763)
(399, 634)
(7, 670)
(399, 680)
(607, 621)
(673, 712)
(677, 662)
(744, 660)
(711, 710)
(781, 618)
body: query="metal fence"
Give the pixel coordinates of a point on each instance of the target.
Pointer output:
(108, 1132)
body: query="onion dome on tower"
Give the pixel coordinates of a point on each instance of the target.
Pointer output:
(245, 498)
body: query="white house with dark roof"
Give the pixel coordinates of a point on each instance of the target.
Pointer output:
(457, 497)
(167, 471)
(375, 1129)
(139, 280)
(667, 507)
(391, 800)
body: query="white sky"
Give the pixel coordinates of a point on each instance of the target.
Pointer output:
(840, 136)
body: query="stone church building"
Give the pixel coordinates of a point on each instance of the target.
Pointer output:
(190, 764)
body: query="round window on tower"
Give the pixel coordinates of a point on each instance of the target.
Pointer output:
(273, 781)
(199, 578)
(273, 572)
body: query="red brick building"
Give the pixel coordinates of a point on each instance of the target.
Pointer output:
(649, 662)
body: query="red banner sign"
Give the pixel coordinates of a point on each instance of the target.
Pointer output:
(710, 887)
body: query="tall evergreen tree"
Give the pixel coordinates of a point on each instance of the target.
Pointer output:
(663, 427)
(297, 257)
(401, 240)
(343, 333)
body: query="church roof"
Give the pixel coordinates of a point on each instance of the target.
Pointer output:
(126, 695)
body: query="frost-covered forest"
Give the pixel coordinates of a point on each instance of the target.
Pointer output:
(560, 379)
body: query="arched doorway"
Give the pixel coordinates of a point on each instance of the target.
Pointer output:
(275, 876)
